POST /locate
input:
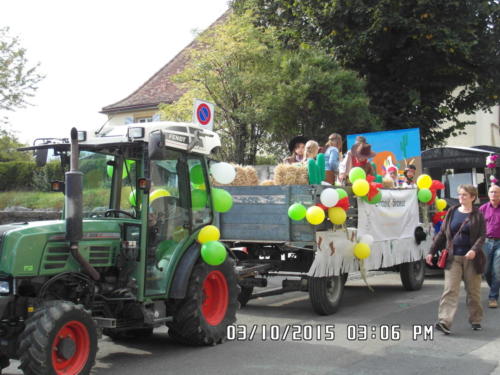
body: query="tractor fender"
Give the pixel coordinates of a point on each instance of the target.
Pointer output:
(183, 272)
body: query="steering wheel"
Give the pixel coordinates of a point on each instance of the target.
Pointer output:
(115, 213)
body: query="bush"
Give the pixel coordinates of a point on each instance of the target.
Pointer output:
(25, 175)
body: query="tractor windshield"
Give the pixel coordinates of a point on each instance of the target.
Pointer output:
(98, 170)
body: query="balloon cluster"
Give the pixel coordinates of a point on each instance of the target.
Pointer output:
(437, 220)
(428, 189)
(334, 201)
(362, 249)
(213, 252)
(365, 187)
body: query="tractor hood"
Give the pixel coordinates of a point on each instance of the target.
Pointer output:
(40, 248)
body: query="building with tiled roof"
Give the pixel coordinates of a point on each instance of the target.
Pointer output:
(142, 104)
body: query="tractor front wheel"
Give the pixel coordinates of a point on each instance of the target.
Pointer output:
(209, 307)
(60, 338)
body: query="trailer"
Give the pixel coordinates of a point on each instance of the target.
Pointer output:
(318, 259)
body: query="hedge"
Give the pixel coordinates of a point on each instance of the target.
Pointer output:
(25, 175)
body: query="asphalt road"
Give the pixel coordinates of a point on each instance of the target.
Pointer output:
(325, 345)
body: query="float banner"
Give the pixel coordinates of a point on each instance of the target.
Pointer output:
(396, 216)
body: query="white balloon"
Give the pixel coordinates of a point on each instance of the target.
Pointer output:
(367, 239)
(224, 173)
(329, 197)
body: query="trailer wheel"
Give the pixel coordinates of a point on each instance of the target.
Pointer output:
(412, 274)
(60, 338)
(209, 307)
(326, 293)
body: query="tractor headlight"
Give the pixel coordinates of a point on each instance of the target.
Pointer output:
(4, 287)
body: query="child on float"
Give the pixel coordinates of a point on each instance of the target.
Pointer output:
(333, 157)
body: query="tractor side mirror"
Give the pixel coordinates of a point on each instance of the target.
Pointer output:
(41, 157)
(156, 145)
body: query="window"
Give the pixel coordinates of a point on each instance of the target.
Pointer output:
(143, 119)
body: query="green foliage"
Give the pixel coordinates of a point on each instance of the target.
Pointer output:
(265, 94)
(31, 199)
(17, 80)
(25, 175)
(8, 148)
(425, 61)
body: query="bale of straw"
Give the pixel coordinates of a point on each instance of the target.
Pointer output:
(291, 174)
(251, 176)
(267, 183)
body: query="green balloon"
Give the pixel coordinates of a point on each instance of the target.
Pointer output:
(296, 211)
(199, 199)
(378, 178)
(342, 193)
(213, 253)
(221, 199)
(132, 198)
(320, 161)
(196, 175)
(357, 173)
(424, 195)
(109, 169)
(376, 199)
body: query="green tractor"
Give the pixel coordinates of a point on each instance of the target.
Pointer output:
(125, 258)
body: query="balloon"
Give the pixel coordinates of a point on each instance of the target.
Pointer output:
(296, 211)
(329, 197)
(343, 203)
(315, 215)
(424, 195)
(221, 200)
(337, 215)
(213, 253)
(157, 194)
(109, 168)
(367, 239)
(360, 187)
(357, 173)
(322, 206)
(341, 192)
(132, 198)
(424, 181)
(376, 199)
(361, 250)
(199, 199)
(441, 204)
(378, 178)
(223, 173)
(196, 175)
(208, 233)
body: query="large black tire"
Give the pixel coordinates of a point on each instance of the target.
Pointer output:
(63, 330)
(209, 307)
(412, 274)
(326, 293)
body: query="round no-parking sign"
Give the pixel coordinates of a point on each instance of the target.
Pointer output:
(203, 114)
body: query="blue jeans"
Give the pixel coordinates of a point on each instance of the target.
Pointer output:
(492, 273)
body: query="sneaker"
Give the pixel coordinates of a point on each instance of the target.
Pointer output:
(492, 304)
(443, 328)
(476, 326)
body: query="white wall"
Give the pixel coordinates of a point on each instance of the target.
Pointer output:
(485, 132)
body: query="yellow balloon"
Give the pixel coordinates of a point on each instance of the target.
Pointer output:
(315, 215)
(157, 194)
(441, 204)
(360, 187)
(361, 250)
(424, 181)
(337, 215)
(208, 233)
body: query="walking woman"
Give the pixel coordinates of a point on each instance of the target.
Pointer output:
(462, 233)
(333, 155)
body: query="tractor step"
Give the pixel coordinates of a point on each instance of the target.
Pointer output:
(105, 322)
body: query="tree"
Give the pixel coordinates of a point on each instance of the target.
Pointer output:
(265, 94)
(425, 61)
(8, 148)
(17, 81)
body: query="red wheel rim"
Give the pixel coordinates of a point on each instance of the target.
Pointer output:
(216, 298)
(77, 334)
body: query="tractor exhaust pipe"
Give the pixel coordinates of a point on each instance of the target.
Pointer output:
(74, 207)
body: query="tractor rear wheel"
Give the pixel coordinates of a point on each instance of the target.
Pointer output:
(209, 307)
(60, 338)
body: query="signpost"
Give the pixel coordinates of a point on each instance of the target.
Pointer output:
(203, 114)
